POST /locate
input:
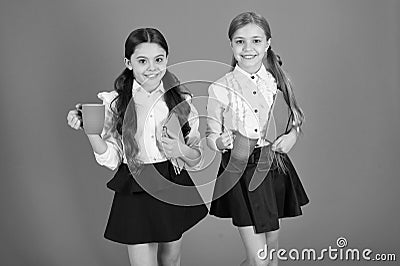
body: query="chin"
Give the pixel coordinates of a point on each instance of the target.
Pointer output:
(153, 82)
(248, 65)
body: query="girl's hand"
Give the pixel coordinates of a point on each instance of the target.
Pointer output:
(172, 146)
(285, 142)
(225, 141)
(74, 117)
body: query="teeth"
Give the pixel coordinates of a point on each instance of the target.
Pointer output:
(249, 56)
(151, 76)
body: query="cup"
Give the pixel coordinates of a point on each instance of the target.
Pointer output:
(93, 115)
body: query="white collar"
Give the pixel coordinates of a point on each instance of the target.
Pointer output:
(136, 87)
(262, 72)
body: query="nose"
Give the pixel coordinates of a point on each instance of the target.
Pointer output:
(247, 46)
(152, 65)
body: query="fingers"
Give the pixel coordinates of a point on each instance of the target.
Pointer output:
(74, 119)
(165, 141)
(172, 135)
(276, 146)
(172, 148)
(227, 140)
(168, 144)
(283, 144)
(168, 134)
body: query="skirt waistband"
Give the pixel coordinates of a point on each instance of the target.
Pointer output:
(156, 177)
(253, 158)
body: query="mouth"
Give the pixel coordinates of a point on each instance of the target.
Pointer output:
(248, 57)
(152, 75)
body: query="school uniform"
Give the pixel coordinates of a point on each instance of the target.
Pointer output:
(240, 102)
(138, 215)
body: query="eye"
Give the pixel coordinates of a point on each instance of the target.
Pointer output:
(142, 61)
(257, 41)
(239, 41)
(160, 60)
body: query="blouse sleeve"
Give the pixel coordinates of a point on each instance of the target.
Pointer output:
(216, 105)
(113, 156)
(193, 138)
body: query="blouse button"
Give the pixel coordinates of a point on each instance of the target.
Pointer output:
(255, 110)
(255, 130)
(254, 92)
(252, 77)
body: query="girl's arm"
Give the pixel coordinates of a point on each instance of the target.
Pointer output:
(192, 156)
(286, 142)
(107, 147)
(217, 101)
(99, 146)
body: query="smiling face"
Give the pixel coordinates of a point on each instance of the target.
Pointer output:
(249, 44)
(148, 63)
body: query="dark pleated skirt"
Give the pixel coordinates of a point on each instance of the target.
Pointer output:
(137, 216)
(279, 195)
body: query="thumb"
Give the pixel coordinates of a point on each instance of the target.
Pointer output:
(276, 143)
(170, 134)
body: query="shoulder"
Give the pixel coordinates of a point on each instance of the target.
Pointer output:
(221, 85)
(107, 97)
(224, 81)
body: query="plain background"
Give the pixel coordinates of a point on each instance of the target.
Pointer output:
(342, 56)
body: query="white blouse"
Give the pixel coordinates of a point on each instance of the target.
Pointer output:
(151, 113)
(240, 101)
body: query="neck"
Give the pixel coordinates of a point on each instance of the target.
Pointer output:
(150, 88)
(251, 70)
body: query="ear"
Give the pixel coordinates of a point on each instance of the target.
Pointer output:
(128, 63)
(166, 59)
(269, 44)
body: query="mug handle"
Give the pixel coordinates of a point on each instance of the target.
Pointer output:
(78, 107)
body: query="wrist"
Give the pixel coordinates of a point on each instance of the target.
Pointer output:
(93, 136)
(295, 130)
(189, 154)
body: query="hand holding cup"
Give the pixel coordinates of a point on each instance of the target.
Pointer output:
(89, 116)
(74, 117)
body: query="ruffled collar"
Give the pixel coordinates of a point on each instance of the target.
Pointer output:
(266, 83)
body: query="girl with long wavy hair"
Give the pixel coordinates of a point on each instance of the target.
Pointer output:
(134, 141)
(239, 113)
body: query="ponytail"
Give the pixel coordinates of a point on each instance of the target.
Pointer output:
(273, 64)
(123, 86)
(175, 99)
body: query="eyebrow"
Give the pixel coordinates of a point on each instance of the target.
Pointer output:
(142, 56)
(252, 37)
